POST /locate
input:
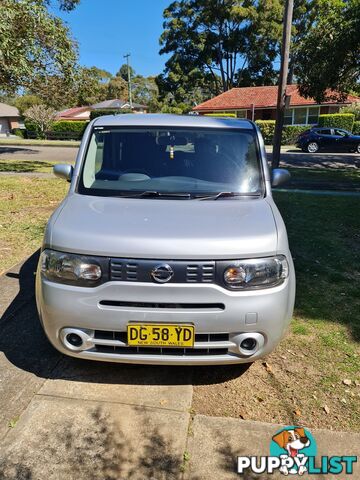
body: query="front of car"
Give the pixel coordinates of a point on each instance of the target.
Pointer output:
(168, 248)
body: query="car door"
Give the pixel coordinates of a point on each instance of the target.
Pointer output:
(324, 138)
(343, 140)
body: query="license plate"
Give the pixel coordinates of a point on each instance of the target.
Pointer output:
(160, 335)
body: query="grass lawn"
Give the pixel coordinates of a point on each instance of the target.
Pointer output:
(28, 166)
(328, 177)
(303, 379)
(302, 382)
(25, 205)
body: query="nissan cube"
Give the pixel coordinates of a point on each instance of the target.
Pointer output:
(168, 247)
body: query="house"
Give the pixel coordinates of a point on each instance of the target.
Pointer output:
(76, 113)
(83, 113)
(9, 118)
(116, 103)
(259, 103)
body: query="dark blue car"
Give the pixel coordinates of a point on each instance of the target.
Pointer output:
(329, 139)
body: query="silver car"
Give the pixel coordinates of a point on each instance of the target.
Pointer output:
(168, 248)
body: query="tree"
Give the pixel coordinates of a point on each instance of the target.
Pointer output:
(42, 117)
(329, 55)
(24, 102)
(123, 72)
(34, 42)
(117, 88)
(223, 39)
(92, 85)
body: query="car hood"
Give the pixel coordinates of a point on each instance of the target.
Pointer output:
(164, 229)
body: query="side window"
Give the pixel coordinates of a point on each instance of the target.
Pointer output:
(324, 132)
(340, 132)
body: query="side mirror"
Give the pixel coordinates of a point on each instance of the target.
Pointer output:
(63, 171)
(280, 176)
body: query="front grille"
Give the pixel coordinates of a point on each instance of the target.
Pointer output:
(204, 273)
(205, 344)
(185, 306)
(131, 270)
(123, 270)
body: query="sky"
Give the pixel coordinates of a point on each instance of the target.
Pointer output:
(106, 30)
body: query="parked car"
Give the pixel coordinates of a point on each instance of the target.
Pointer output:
(168, 248)
(329, 139)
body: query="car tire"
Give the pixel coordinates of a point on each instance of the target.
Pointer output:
(357, 149)
(312, 147)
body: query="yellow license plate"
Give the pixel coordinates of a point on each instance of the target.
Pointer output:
(160, 335)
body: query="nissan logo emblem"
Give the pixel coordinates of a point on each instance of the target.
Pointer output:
(162, 273)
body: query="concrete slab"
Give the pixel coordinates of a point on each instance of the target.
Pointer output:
(154, 386)
(26, 357)
(68, 439)
(215, 443)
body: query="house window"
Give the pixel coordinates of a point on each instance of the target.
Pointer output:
(313, 116)
(288, 118)
(301, 116)
(241, 113)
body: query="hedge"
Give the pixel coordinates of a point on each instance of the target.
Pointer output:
(60, 130)
(19, 132)
(356, 128)
(337, 120)
(222, 115)
(289, 134)
(101, 113)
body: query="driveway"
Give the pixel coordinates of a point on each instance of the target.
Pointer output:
(63, 418)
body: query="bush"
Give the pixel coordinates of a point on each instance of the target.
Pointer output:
(101, 113)
(60, 130)
(356, 128)
(353, 108)
(73, 126)
(19, 132)
(267, 129)
(337, 120)
(289, 134)
(222, 115)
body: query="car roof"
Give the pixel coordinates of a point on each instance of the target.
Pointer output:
(167, 120)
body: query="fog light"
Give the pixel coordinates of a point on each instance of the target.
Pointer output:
(248, 344)
(74, 339)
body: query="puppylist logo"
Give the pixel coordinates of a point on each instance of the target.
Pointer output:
(292, 452)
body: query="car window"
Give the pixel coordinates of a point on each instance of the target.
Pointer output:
(171, 160)
(343, 133)
(324, 132)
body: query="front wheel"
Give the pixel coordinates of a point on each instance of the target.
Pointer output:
(312, 147)
(358, 148)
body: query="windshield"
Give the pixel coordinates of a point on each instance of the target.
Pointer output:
(131, 161)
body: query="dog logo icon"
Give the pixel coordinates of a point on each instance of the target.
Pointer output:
(293, 445)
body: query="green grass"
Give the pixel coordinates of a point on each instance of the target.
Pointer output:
(45, 143)
(27, 166)
(326, 175)
(25, 206)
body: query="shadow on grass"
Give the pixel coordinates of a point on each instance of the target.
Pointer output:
(24, 166)
(325, 244)
(31, 351)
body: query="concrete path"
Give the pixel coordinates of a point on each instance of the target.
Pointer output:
(67, 419)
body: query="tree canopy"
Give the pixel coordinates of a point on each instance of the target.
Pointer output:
(329, 54)
(34, 43)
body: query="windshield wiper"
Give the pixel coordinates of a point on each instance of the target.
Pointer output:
(228, 194)
(154, 193)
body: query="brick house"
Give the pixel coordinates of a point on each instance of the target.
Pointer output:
(9, 118)
(259, 103)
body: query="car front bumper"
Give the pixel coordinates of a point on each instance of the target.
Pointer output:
(211, 309)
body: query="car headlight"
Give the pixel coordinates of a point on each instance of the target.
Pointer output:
(70, 268)
(256, 273)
